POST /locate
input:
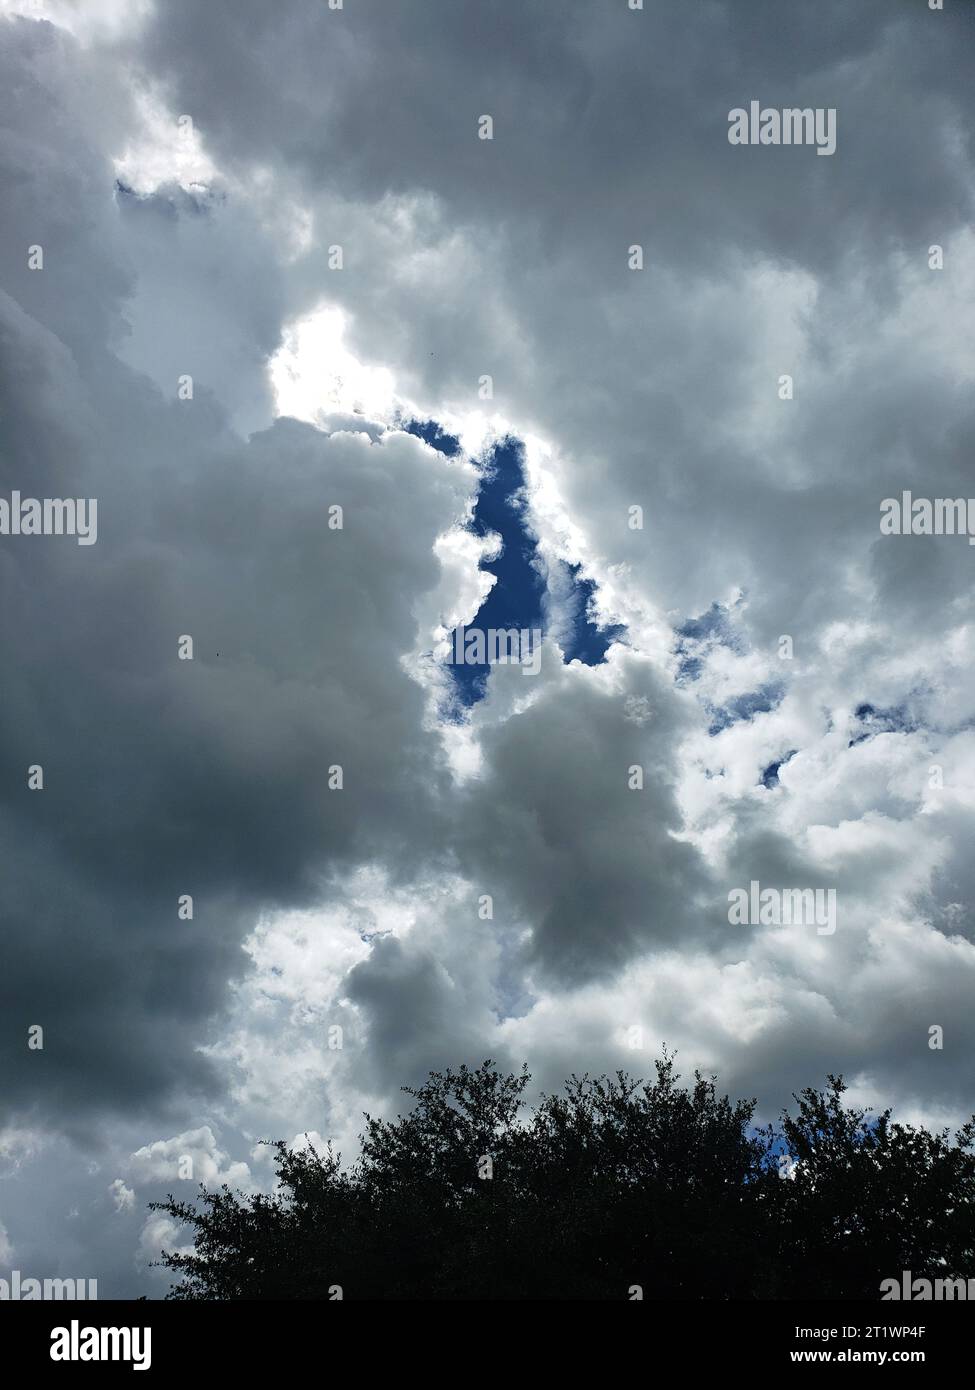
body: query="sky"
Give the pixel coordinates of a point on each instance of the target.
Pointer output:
(286, 283)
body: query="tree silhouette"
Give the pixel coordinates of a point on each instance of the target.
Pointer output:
(613, 1184)
(871, 1199)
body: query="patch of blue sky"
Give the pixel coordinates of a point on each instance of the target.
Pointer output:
(873, 720)
(522, 595)
(770, 774)
(431, 433)
(697, 636)
(744, 707)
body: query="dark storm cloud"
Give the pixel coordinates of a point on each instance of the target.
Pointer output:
(207, 777)
(164, 777)
(563, 835)
(606, 119)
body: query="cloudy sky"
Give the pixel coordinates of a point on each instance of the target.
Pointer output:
(282, 272)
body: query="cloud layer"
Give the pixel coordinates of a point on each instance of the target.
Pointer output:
(498, 886)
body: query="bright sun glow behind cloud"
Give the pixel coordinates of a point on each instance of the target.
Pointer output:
(91, 21)
(167, 149)
(314, 374)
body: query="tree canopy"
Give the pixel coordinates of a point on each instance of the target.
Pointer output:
(613, 1186)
